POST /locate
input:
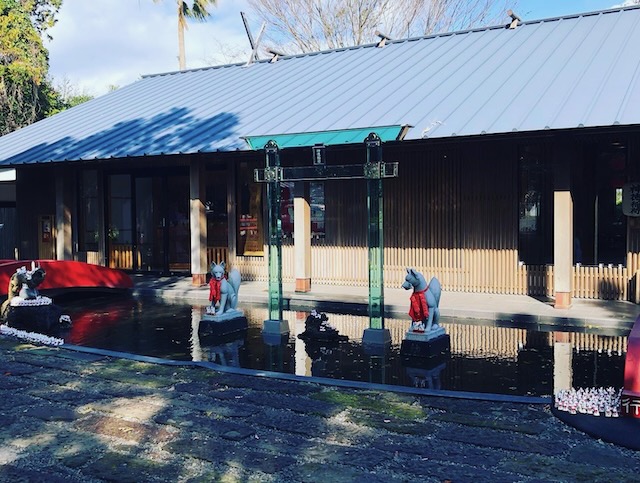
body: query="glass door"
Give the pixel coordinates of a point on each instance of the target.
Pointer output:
(148, 223)
(178, 231)
(119, 229)
(611, 224)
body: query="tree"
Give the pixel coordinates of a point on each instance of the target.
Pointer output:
(25, 95)
(195, 9)
(312, 25)
(64, 95)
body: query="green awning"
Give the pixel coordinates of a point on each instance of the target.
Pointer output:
(328, 138)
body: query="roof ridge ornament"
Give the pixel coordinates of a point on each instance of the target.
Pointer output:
(383, 38)
(514, 19)
(275, 55)
(254, 44)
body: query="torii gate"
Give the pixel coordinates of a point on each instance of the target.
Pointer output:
(374, 171)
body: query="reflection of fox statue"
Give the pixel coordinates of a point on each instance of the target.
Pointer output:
(223, 291)
(424, 310)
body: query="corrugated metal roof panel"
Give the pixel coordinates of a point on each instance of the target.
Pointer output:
(561, 73)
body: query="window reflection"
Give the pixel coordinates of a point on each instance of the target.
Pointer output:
(316, 200)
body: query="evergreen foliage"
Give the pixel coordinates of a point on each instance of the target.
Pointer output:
(25, 95)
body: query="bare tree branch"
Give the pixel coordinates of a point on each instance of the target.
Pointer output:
(312, 25)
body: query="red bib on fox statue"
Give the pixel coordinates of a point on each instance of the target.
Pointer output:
(214, 291)
(419, 309)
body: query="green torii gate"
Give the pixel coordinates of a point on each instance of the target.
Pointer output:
(374, 171)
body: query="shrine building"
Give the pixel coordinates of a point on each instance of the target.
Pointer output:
(517, 150)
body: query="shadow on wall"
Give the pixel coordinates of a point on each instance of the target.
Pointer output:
(609, 290)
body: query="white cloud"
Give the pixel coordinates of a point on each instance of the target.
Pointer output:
(99, 43)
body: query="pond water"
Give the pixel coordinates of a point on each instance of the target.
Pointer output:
(485, 356)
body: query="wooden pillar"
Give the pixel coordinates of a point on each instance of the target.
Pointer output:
(302, 237)
(198, 223)
(562, 229)
(64, 193)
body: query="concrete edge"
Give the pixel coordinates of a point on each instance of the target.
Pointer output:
(358, 306)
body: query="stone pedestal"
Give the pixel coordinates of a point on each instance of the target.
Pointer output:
(425, 336)
(227, 323)
(277, 327)
(273, 339)
(563, 300)
(198, 279)
(376, 341)
(40, 318)
(303, 285)
(425, 346)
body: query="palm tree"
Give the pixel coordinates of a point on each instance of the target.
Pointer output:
(195, 9)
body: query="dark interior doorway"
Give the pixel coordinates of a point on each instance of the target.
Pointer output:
(148, 222)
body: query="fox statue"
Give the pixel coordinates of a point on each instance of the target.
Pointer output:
(425, 299)
(223, 291)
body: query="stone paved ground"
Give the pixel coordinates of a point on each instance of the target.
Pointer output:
(71, 417)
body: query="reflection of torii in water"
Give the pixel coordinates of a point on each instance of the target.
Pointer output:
(227, 354)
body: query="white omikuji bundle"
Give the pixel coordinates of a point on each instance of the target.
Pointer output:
(39, 301)
(30, 336)
(596, 401)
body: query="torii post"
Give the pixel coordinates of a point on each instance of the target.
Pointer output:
(374, 171)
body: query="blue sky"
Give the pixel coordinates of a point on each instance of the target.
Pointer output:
(537, 9)
(94, 45)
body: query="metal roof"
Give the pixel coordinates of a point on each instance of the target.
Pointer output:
(561, 73)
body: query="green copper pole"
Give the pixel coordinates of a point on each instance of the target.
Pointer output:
(375, 230)
(275, 230)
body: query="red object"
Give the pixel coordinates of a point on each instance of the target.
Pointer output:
(214, 290)
(630, 399)
(419, 309)
(66, 275)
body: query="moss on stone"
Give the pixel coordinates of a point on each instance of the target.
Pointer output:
(400, 409)
(133, 378)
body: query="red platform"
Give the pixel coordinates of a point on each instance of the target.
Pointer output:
(630, 399)
(66, 275)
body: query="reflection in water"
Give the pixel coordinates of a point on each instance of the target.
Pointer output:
(562, 362)
(427, 378)
(194, 340)
(484, 357)
(225, 354)
(303, 363)
(378, 367)
(426, 373)
(275, 351)
(223, 350)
